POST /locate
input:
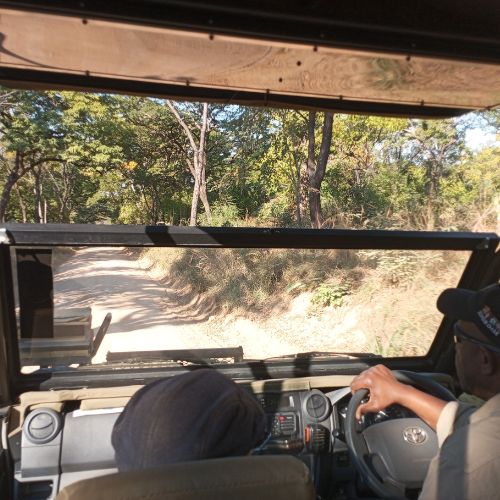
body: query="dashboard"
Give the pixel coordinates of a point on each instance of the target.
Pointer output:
(55, 449)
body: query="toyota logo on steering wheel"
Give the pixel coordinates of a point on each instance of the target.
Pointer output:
(415, 435)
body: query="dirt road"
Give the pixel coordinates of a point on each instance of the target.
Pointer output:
(148, 315)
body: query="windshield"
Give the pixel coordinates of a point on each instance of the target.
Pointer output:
(256, 303)
(70, 157)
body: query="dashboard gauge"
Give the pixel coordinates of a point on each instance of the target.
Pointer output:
(317, 406)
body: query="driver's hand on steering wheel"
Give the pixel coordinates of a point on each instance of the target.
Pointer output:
(384, 389)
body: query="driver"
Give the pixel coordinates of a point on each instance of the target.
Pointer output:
(468, 463)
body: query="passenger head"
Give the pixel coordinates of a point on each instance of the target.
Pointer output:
(477, 333)
(196, 415)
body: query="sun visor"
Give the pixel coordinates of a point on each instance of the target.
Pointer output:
(52, 51)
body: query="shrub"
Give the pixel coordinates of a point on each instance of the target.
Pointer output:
(330, 295)
(276, 212)
(223, 215)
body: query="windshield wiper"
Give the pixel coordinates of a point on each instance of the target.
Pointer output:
(325, 354)
(218, 355)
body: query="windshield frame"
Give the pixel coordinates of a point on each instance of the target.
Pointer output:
(482, 246)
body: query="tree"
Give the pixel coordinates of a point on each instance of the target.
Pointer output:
(32, 137)
(358, 185)
(436, 146)
(80, 157)
(294, 141)
(471, 192)
(153, 175)
(198, 162)
(313, 170)
(238, 155)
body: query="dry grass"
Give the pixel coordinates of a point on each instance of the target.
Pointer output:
(402, 297)
(253, 278)
(389, 307)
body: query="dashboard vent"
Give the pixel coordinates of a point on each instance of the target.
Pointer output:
(317, 406)
(42, 425)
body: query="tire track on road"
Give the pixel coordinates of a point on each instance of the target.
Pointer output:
(110, 280)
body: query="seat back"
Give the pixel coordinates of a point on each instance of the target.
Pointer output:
(242, 478)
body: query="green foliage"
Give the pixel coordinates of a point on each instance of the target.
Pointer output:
(471, 193)
(330, 295)
(223, 214)
(276, 212)
(100, 157)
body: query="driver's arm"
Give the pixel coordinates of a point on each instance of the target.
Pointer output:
(385, 390)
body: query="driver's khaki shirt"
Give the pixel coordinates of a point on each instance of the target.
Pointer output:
(468, 463)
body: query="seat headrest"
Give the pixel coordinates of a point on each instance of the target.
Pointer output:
(242, 478)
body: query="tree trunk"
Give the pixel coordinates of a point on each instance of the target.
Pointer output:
(20, 170)
(315, 207)
(303, 192)
(316, 168)
(296, 179)
(204, 196)
(198, 166)
(12, 178)
(65, 195)
(22, 205)
(432, 191)
(7, 188)
(203, 189)
(62, 192)
(298, 215)
(194, 202)
(37, 191)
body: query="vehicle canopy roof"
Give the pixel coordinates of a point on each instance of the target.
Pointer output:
(430, 60)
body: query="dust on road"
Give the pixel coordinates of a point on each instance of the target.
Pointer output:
(146, 314)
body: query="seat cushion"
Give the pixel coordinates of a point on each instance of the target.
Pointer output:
(242, 478)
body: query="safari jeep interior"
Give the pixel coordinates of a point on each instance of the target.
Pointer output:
(69, 365)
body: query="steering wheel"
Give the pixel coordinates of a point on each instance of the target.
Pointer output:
(394, 455)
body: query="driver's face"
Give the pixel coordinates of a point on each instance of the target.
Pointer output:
(467, 357)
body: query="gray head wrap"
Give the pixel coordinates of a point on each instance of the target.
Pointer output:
(197, 415)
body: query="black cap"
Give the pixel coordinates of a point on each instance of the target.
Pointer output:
(196, 415)
(481, 307)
